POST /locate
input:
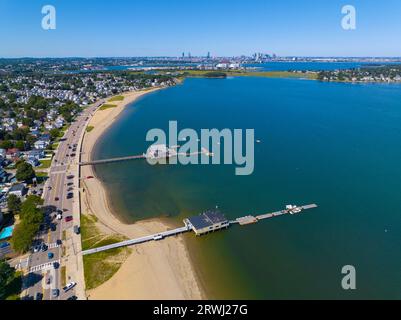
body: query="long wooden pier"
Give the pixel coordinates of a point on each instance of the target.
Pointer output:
(241, 221)
(144, 156)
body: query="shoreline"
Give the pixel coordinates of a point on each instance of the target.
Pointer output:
(161, 270)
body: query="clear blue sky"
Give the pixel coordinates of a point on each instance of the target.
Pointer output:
(90, 28)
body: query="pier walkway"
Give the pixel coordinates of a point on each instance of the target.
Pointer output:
(241, 221)
(144, 156)
(154, 237)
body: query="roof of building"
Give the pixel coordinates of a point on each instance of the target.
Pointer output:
(207, 219)
(17, 187)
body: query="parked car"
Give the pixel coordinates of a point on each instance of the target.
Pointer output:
(69, 286)
(56, 199)
(70, 195)
(55, 293)
(39, 296)
(76, 230)
(68, 219)
(50, 255)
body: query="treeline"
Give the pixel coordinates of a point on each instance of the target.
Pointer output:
(31, 217)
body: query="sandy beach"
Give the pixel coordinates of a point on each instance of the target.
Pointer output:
(159, 270)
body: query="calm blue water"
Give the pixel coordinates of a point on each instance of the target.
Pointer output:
(337, 145)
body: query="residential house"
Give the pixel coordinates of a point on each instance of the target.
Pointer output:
(13, 154)
(18, 189)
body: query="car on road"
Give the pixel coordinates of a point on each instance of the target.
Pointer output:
(70, 184)
(50, 255)
(70, 177)
(70, 195)
(90, 177)
(73, 154)
(68, 219)
(56, 199)
(55, 293)
(76, 230)
(69, 286)
(39, 296)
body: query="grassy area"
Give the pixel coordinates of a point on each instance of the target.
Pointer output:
(274, 74)
(107, 106)
(63, 276)
(89, 128)
(100, 267)
(116, 98)
(45, 164)
(243, 73)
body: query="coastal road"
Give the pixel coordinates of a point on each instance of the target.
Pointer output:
(63, 180)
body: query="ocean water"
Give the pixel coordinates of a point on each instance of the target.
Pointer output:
(337, 145)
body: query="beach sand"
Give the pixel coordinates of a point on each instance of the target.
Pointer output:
(157, 270)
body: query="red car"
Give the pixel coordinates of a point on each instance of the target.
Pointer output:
(90, 177)
(68, 219)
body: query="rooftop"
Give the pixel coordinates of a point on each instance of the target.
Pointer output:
(207, 219)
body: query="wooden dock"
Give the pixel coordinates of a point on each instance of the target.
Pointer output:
(243, 221)
(143, 156)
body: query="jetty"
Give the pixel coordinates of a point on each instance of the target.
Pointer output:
(158, 152)
(209, 221)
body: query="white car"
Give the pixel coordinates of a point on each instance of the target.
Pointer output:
(69, 286)
(157, 237)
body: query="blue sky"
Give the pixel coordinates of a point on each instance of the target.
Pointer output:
(223, 27)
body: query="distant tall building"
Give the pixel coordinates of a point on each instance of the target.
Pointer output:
(208, 55)
(189, 55)
(183, 55)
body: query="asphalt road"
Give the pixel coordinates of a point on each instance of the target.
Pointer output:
(56, 189)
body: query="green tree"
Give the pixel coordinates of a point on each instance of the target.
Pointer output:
(20, 145)
(7, 275)
(24, 171)
(14, 203)
(6, 144)
(54, 133)
(31, 219)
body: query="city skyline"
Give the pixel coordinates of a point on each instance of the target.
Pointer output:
(132, 29)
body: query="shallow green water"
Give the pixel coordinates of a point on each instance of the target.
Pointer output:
(337, 145)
